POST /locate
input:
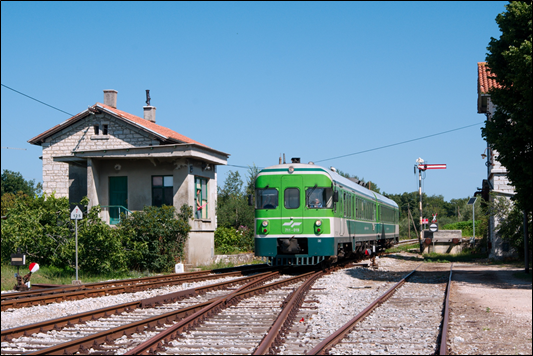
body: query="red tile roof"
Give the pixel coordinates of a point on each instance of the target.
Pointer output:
(163, 132)
(150, 125)
(484, 83)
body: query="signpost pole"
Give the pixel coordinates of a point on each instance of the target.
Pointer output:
(76, 215)
(76, 249)
(420, 203)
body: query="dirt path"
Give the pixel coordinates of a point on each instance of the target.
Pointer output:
(490, 311)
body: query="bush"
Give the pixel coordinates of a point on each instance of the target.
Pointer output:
(149, 240)
(229, 240)
(41, 226)
(465, 227)
(154, 238)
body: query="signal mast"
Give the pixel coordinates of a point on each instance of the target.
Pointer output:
(422, 167)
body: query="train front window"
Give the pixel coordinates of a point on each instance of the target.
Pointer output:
(319, 198)
(266, 198)
(292, 198)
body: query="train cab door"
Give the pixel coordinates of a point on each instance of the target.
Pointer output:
(292, 205)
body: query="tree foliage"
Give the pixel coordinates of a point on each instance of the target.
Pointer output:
(511, 223)
(152, 239)
(235, 217)
(509, 131)
(13, 182)
(41, 226)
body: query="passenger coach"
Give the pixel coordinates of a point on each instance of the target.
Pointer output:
(306, 214)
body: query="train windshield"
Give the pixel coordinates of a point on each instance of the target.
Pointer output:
(266, 198)
(319, 198)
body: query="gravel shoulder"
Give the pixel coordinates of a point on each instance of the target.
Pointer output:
(490, 311)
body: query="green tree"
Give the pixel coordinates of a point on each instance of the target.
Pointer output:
(13, 182)
(509, 131)
(511, 221)
(235, 217)
(232, 204)
(41, 226)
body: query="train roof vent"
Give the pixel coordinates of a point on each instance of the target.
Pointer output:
(333, 169)
(295, 160)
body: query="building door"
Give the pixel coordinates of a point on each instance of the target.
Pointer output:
(118, 198)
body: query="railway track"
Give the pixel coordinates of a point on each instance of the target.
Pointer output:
(87, 328)
(59, 294)
(258, 318)
(408, 323)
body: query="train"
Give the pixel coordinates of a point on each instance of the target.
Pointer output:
(306, 214)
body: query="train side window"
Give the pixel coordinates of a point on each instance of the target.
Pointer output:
(266, 198)
(319, 198)
(292, 198)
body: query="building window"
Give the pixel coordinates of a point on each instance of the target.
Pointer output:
(162, 190)
(96, 130)
(200, 199)
(104, 129)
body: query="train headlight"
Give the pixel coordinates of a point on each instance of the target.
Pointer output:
(264, 223)
(318, 223)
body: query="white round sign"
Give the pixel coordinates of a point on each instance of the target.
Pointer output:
(433, 227)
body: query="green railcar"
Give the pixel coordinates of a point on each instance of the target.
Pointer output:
(306, 214)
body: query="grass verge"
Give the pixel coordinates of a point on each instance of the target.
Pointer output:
(50, 275)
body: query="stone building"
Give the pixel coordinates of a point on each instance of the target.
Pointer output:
(497, 181)
(123, 163)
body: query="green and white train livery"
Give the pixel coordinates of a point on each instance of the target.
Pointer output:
(306, 214)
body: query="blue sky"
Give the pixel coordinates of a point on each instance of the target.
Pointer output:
(312, 80)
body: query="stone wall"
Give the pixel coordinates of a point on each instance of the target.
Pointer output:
(81, 136)
(242, 258)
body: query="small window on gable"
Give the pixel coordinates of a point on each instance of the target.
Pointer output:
(104, 129)
(96, 130)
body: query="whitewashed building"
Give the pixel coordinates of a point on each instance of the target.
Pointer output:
(497, 181)
(123, 163)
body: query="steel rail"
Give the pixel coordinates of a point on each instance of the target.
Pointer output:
(84, 343)
(98, 292)
(155, 343)
(443, 350)
(53, 289)
(48, 289)
(338, 335)
(285, 318)
(59, 323)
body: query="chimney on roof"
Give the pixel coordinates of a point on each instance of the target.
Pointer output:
(110, 98)
(149, 111)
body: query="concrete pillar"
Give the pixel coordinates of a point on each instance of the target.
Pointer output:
(92, 183)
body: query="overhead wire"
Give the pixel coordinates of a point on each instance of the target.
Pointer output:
(400, 143)
(32, 98)
(322, 160)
